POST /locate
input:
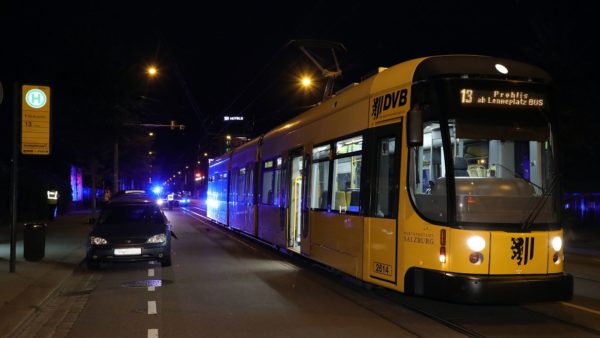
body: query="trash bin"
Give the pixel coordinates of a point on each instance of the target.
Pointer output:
(34, 241)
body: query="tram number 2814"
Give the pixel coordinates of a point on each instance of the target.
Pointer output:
(384, 269)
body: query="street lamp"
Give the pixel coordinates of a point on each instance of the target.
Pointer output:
(152, 71)
(306, 82)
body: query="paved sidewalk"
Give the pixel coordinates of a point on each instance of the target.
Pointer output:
(23, 291)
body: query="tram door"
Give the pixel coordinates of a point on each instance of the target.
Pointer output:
(295, 211)
(382, 221)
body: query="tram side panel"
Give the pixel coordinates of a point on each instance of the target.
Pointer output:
(336, 234)
(243, 180)
(271, 208)
(216, 200)
(385, 222)
(271, 200)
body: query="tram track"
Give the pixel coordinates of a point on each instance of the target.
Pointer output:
(563, 321)
(450, 315)
(354, 290)
(587, 279)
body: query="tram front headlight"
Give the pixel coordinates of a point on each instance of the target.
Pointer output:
(476, 243)
(556, 243)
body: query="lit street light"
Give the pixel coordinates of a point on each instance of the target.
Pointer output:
(306, 82)
(152, 71)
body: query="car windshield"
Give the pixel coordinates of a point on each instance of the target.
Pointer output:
(130, 213)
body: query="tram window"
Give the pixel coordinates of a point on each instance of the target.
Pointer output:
(386, 179)
(350, 145)
(346, 183)
(277, 187)
(427, 174)
(321, 153)
(319, 185)
(320, 177)
(267, 185)
(277, 182)
(241, 185)
(232, 188)
(346, 175)
(250, 182)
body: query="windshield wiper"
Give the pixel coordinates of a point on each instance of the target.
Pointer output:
(517, 175)
(540, 205)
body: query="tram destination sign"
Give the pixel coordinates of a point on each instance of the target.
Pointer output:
(501, 98)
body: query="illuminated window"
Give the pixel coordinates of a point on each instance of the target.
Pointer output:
(277, 199)
(386, 178)
(266, 196)
(320, 177)
(346, 175)
(241, 185)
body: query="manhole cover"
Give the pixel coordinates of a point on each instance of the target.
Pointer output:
(144, 283)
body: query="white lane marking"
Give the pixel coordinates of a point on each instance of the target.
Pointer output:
(150, 272)
(151, 288)
(152, 307)
(152, 333)
(582, 308)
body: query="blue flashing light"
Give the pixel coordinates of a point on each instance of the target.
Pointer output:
(157, 190)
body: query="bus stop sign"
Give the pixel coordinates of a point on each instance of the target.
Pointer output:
(35, 120)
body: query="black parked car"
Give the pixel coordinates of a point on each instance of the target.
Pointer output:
(130, 229)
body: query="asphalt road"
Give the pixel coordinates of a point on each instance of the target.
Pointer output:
(222, 284)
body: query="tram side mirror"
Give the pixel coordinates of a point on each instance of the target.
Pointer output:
(414, 136)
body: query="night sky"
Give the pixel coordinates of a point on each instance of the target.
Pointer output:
(225, 58)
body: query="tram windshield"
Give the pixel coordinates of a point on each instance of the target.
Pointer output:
(502, 168)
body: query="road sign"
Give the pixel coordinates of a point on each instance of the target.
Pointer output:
(35, 120)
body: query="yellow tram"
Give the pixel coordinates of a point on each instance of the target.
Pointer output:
(434, 177)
